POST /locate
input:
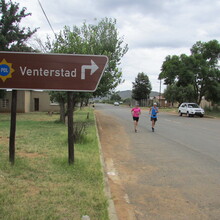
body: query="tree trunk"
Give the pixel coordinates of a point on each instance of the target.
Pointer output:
(81, 103)
(62, 112)
(87, 102)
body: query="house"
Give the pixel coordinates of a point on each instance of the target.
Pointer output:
(29, 101)
(160, 100)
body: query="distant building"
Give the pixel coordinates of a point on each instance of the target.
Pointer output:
(160, 100)
(29, 101)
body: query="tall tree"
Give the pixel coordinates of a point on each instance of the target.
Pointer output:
(196, 74)
(206, 57)
(180, 94)
(12, 36)
(61, 98)
(141, 87)
(98, 39)
(115, 97)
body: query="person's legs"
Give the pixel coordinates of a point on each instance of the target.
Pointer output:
(135, 124)
(153, 123)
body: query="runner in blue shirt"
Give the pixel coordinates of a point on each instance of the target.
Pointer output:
(153, 112)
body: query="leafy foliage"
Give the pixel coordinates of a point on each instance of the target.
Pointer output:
(141, 87)
(179, 93)
(99, 39)
(79, 130)
(12, 37)
(189, 78)
(115, 97)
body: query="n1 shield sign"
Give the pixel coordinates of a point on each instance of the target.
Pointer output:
(63, 72)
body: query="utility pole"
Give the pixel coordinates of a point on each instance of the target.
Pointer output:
(160, 94)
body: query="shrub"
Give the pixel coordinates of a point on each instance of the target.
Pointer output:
(79, 130)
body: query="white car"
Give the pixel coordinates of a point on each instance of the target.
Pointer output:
(191, 109)
(116, 104)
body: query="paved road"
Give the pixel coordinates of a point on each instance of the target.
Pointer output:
(173, 173)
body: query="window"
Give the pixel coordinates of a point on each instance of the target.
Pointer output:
(5, 103)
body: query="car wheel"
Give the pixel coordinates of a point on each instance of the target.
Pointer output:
(187, 114)
(201, 116)
(180, 113)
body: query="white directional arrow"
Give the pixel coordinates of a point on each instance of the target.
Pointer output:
(93, 67)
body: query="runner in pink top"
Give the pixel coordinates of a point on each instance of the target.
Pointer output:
(136, 111)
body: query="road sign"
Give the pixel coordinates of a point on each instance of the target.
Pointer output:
(63, 72)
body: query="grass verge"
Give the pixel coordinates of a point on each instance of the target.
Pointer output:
(41, 184)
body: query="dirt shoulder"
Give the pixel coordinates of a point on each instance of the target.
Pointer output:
(115, 146)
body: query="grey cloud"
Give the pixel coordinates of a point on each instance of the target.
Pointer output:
(178, 17)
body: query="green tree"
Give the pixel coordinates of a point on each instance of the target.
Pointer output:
(99, 39)
(206, 57)
(115, 97)
(12, 36)
(194, 75)
(127, 101)
(179, 93)
(61, 98)
(141, 87)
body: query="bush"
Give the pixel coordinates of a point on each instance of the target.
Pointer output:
(215, 109)
(79, 130)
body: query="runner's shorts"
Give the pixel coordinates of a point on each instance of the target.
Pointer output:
(153, 119)
(135, 118)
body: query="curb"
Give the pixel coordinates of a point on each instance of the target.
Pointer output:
(111, 208)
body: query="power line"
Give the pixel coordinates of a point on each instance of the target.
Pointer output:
(46, 18)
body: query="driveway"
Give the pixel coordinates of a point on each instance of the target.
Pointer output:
(173, 173)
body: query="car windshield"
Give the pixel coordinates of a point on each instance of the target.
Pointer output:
(193, 105)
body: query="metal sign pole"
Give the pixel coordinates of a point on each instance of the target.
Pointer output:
(13, 127)
(70, 127)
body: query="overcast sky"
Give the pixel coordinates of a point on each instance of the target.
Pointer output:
(152, 29)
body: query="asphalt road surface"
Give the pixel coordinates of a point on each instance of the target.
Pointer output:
(170, 174)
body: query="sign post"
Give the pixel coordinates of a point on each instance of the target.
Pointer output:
(56, 72)
(70, 97)
(13, 127)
